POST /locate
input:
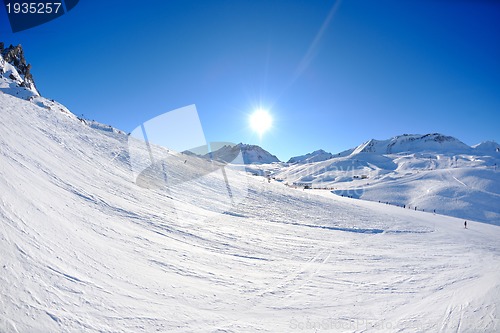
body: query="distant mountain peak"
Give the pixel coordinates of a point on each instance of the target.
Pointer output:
(487, 147)
(13, 66)
(252, 154)
(316, 156)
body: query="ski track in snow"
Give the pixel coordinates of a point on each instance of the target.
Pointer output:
(84, 249)
(458, 181)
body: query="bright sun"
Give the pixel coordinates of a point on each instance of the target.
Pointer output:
(260, 121)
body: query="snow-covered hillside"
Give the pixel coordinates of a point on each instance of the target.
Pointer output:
(84, 248)
(427, 172)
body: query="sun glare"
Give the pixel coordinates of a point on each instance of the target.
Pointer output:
(260, 121)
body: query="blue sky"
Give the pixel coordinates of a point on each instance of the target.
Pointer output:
(332, 74)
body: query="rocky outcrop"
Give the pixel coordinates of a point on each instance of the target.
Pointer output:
(14, 55)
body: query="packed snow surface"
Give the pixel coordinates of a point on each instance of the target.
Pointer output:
(84, 248)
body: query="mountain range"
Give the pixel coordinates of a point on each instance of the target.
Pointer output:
(406, 143)
(430, 172)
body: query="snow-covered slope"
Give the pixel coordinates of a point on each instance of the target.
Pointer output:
(315, 156)
(84, 248)
(429, 172)
(252, 154)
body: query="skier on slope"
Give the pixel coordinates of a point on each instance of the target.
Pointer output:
(465, 224)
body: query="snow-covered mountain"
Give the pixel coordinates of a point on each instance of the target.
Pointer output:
(487, 148)
(252, 154)
(429, 172)
(414, 143)
(315, 156)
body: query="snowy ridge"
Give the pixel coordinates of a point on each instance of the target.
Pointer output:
(413, 143)
(101, 127)
(16, 80)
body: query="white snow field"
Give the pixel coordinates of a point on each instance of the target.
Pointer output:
(83, 248)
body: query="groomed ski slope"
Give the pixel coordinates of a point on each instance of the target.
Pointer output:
(84, 249)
